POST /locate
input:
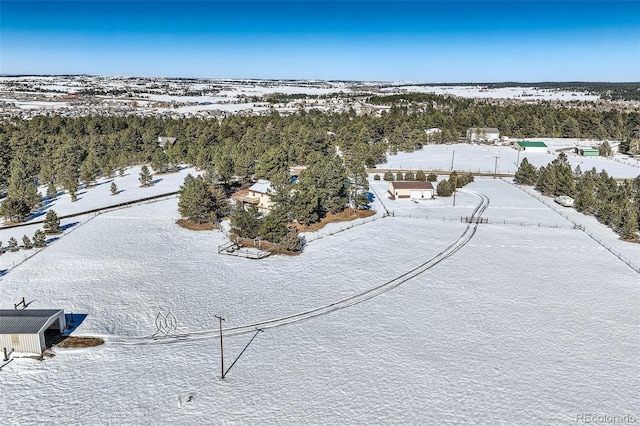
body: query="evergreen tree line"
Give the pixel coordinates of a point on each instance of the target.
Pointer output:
(62, 153)
(446, 187)
(51, 226)
(617, 205)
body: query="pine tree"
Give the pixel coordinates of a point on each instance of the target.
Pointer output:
(39, 239)
(526, 173)
(292, 241)
(1, 248)
(432, 177)
(444, 188)
(453, 181)
(388, 176)
(145, 176)
(409, 176)
(13, 244)
(52, 191)
(14, 210)
(305, 206)
(26, 243)
(21, 182)
(546, 180)
(245, 222)
(160, 161)
(274, 227)
(420, 176)
(73, 192)
(89, 170)
(200, 203)
(52, 223)
(114, 188)
(564, 180)
(376, 177)
(585, 200)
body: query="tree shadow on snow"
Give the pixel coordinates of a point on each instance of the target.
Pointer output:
(103, 183)
(46, 204)
(68, 226)
(51, 240)
(153, 182)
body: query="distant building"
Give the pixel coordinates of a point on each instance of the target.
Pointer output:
(23, 330)
(589, 152)
(411, 189)
(165, 141)
(526, 146)
(564, 200)
(483, 134)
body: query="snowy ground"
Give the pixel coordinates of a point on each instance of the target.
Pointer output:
(481, 159)
(90, 198)
(525, 324)
(523, 93)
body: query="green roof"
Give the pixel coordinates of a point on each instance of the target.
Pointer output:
(590, 150)
(526, 144)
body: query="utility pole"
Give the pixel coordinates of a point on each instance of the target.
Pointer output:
(452, 157)
(495, 170)
(454, 196)
(221, 352)
(518, 160)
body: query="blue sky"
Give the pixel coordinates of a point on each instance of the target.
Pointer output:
(442, 41)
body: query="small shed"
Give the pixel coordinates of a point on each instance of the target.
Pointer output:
(589, 152)
(527, 146)
(409, 189)
(24, 330)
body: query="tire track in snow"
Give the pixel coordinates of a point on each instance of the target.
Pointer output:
(358, 298)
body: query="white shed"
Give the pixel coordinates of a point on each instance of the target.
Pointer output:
(24, 330)
(410, 189)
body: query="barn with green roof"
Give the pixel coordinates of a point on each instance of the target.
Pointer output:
(528, 146)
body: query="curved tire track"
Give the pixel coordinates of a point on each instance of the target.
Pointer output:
(460, 242)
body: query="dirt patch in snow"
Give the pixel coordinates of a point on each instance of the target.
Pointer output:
(193, 226)
(80, 342)
(344, 216)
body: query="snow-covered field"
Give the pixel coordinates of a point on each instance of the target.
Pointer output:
(482, 159)
(523, 93)
(529, 323)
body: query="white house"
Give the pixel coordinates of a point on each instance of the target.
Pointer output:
(484, 134)
(257, 194)
(24, 330)
(411, 189)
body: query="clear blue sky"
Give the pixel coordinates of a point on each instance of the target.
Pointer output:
(442, 41)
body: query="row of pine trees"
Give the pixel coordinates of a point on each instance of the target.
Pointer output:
(615, 204)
